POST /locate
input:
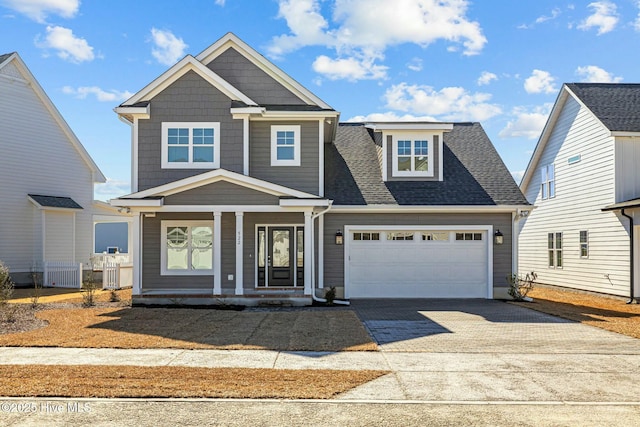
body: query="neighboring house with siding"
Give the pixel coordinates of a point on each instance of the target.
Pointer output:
(247, 189)
(47, 178)
(583, 179)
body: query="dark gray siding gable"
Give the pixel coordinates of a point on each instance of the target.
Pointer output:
(188, 99)
(221, 193)
(251, 80)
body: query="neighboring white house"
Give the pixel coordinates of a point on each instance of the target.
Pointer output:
(47, 178)
(585, 183)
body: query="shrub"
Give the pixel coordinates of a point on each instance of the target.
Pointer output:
(330, 295)
(520, 286)
(8, 311)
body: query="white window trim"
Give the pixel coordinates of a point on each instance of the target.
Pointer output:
(580, 243)
(555, 249)
(191, 165)
(164, 271)
(412, 137)
(545, 182)
(296, 145)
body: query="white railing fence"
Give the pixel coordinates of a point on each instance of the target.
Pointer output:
(117, 276)
(98, 260)
(61, 274)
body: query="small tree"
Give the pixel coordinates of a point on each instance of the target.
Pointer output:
(89, 286)
(6, 292)
(36, 280)
(520, 286)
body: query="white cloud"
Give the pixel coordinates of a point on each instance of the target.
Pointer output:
(486, 77)
(356, 29)
(449, 103)
(69, 47)
(101, 95)
(390, 116)
(220, 2)
(540, 82)
(39, 9)
(348, 68)
(526, 123)
(605, 17)
(112, 189)
(636, 23)
(168, 48)
(415, 64)
(517, 176)
(594, 74)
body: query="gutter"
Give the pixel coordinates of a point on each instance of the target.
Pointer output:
(631, 256)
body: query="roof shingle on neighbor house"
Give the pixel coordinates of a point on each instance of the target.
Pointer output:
(4, 57)
(616, 105)
(474, 173)
(54, 202)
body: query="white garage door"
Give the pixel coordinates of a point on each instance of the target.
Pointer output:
(412, 263)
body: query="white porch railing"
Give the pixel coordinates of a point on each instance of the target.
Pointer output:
(117, 276)
(61, 274)
(98, 260)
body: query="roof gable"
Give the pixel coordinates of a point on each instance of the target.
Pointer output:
(230, 40)
(616, 105)
(25, 73)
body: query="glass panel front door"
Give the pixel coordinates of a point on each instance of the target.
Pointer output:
(280, 256)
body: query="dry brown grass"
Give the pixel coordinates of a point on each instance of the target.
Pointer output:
(170, 381)
(138, 327)
(606, 313)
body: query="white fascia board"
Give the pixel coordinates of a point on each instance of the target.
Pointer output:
(221, 208)
(188, 63)
(625, 134)
(221, 175)
(246, 110)
(308, 115)
(136, 202)
(231, 40)
(97, 174)
(379, 127)
(304, 202)
(140, 112)
(428, 209)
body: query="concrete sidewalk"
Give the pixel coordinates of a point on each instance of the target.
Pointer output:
(418, 376)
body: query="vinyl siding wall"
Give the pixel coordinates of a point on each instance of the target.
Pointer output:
(221, 193)
(304, 177)
(582, 190)
(37, 158)
(334, 254)
(189, 99)
(627, 170)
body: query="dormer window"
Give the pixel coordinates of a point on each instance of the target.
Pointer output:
(190, 145)
(412, 155)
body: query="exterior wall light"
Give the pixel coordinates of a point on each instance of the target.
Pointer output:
(498, 237)
(339, 239)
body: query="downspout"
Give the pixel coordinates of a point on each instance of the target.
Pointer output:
(313, 282)
(631, 255)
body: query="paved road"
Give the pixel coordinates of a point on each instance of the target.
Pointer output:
(453, 362)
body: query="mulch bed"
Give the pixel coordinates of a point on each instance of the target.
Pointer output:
(612, 314)
(181, 382)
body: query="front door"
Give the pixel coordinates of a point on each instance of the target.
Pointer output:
(280, 256)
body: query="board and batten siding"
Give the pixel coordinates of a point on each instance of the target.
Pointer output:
(188, 99)
(582, 190)
(304, 177)
(334, 254)
(37, 158)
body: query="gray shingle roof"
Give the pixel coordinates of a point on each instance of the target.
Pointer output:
(55, 202)
(474, 173)
(4, 57)
(616, 105)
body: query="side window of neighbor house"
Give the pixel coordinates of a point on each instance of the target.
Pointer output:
(285, 145)
(584, 244)
(548, 181)
(190, 145)
(554, 247)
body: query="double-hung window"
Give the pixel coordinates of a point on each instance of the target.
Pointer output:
(412, 155)
(285, 145)
(554, 247)
(187, 247)
(190, 145)
(548, 181)
(584, 244)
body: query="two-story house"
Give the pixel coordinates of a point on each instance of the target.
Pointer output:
(46, 182)
(246, 187)
(584, 181)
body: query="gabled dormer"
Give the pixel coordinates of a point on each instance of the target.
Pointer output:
(410, 151)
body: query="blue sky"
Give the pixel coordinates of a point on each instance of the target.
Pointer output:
(499, 62)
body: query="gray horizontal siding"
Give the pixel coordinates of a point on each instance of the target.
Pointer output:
(304, 177)
(334, 254)
(189, 99)
(221, 193)
(251, 80)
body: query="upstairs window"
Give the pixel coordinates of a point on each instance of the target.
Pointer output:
(285, 145)
(548, 181)
(190, 145)
(412, 155)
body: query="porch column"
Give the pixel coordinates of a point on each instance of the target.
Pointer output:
(308, 252)
(239, 252)
(217, 253)
(136, 253)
